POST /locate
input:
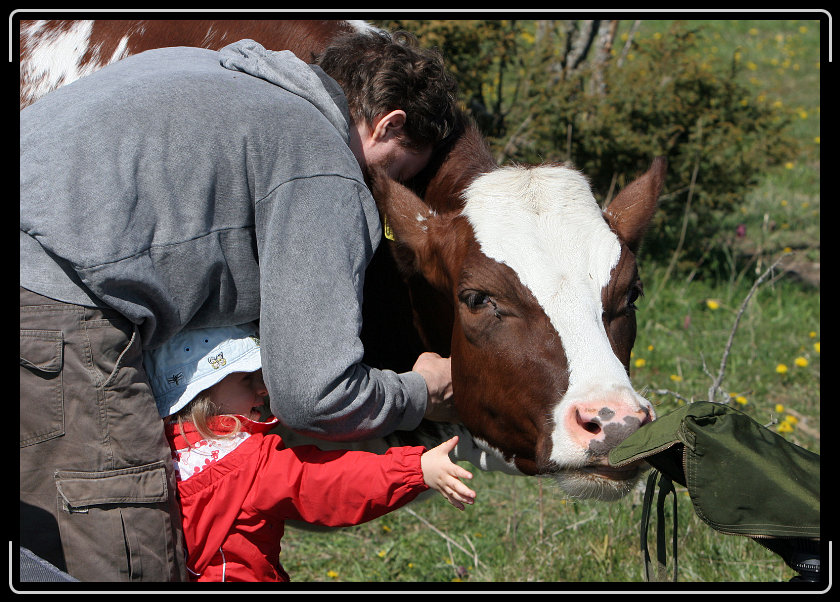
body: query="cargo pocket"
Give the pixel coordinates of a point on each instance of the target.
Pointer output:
(115, 524)
(41, 362)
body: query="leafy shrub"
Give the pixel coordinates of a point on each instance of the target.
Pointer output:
(668, 100)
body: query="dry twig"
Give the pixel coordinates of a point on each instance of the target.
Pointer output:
(448, 539)
(716, 385)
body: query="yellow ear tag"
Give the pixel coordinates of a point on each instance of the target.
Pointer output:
(389, 234)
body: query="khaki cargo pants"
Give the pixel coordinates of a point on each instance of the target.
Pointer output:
(97, 489)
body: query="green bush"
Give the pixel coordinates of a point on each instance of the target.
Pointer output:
(666, 99)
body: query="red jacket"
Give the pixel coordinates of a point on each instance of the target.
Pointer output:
(236, 493)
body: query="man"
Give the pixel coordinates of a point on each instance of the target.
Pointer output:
(184, 188)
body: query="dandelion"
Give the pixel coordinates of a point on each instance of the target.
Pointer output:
(741, 400)
(781, 368)
(650, 348)
(783, 203)
(332, 574)
(381, 553)
(817, 347)
(812, 334)
(779, 408)
(712, 304)
(785, 427)
(789, 165)
(676, 378)
(639, 362)
(411, 565)
(791, 419)
(386, 528)
(801, 361)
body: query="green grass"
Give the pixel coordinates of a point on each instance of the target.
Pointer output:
(524, 529)
(520, 530)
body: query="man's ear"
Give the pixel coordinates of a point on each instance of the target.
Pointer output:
(417, 232)
(389, 125)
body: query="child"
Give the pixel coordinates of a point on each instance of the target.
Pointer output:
(238, 484)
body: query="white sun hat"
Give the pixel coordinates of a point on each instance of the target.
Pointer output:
(195, 360)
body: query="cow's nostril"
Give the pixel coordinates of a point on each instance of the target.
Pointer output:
(589, 426)
(592, 427)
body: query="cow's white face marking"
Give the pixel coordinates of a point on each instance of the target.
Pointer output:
(545, 224)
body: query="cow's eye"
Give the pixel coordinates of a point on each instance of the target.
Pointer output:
(477, 301)
(633, 295)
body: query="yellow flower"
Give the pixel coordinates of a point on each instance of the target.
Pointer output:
(785, 427)
(789, 165)
(784, 203)
(650, 347)
(411, 565)
(381, 553)
(801, 362)
(332, 574)
(712, 304)
(791, 419)
(741, 399)
(812, 334)
(676, 378)
(781, 368)
(779, 408)
(386, 528)
(639, 362)
(787, 250)
(817, 347)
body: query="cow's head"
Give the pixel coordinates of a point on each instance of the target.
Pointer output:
(542, 286)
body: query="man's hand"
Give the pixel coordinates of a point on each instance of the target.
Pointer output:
(437, 371)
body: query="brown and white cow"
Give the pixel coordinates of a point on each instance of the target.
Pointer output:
(513, 271)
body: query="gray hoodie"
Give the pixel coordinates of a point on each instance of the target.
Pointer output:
(187, 188)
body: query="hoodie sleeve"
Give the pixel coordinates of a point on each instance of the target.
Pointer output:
(336, 488)
(316, 236)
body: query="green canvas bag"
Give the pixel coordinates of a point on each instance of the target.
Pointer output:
(742, 478)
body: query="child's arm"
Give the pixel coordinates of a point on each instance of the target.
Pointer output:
(443, 475)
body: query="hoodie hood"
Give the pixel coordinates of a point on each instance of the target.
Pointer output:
(284, 69)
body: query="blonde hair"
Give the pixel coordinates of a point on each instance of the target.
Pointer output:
(199, 412)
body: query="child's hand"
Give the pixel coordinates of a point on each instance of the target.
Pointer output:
(441, 474)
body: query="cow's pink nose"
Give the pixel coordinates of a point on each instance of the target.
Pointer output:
(598, 427)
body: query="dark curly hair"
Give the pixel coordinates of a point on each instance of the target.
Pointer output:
(381, 72)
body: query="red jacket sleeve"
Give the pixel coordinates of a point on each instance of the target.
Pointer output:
(334, 488)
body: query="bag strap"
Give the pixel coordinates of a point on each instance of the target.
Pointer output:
(666, 486)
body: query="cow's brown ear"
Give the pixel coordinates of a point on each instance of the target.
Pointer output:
(631, 211)
(412, 226)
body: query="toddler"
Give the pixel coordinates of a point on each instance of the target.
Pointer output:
(238, 484)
